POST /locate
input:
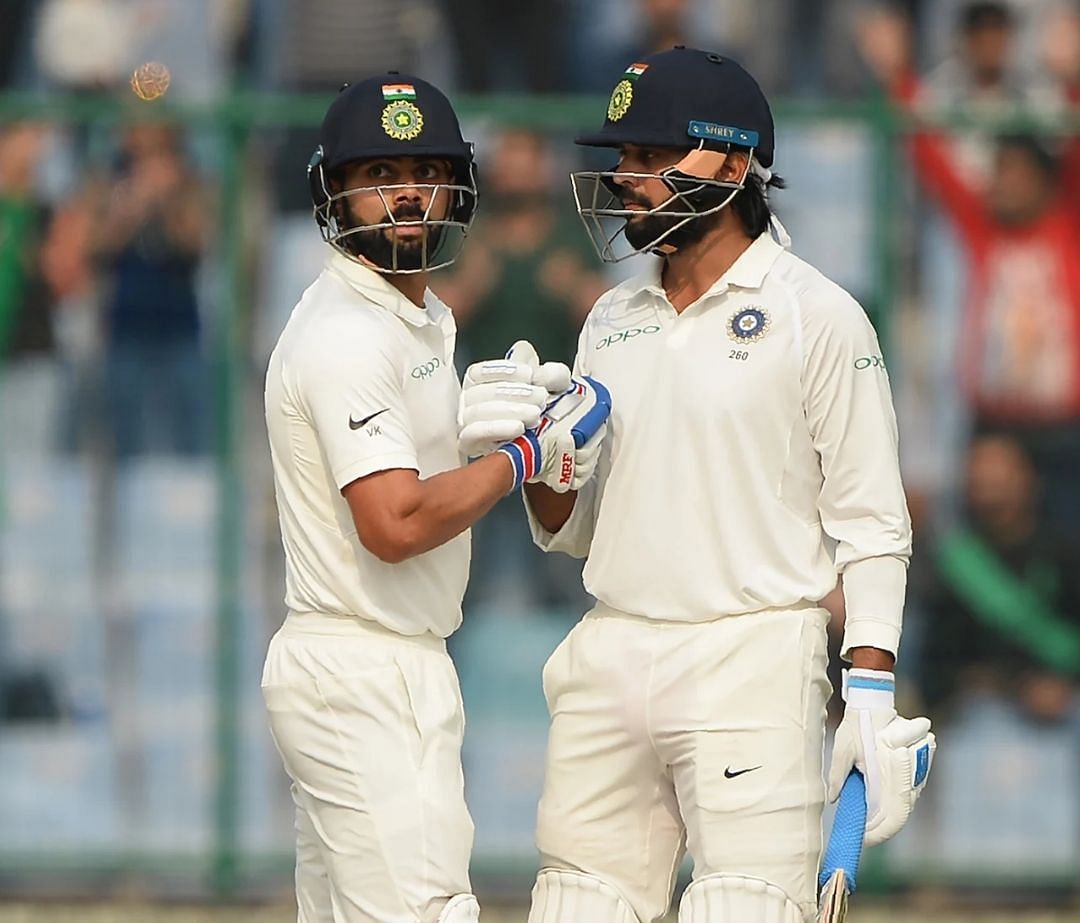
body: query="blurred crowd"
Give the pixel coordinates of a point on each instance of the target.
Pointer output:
(110, 260)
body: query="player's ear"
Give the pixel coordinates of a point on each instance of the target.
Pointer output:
(734, 167)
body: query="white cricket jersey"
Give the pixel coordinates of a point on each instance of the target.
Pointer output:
(362, 380)
(751, 453)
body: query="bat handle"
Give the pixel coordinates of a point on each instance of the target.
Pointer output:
(844, 849)
(587, 426)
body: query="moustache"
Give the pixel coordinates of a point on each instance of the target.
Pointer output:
(407, 212)
(631, 199)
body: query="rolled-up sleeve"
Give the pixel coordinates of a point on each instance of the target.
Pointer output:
(575, 536)
(849, 409)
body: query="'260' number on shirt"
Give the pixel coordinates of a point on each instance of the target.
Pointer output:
(427, 369)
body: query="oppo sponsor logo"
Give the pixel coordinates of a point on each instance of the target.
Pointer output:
(427, 369)
(628, 334)
(869, 362)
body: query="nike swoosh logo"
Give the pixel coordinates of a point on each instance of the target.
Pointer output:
(356, 424)
(728, 774)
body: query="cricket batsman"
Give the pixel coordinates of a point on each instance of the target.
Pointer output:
(364, 419)
(750, 457)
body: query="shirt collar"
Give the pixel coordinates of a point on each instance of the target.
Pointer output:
(753, 264)
(376, 289)
(748, 271)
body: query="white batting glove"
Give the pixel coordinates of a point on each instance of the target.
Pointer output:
(894, 754)
(572, 424)
(556, 378)
(553, 376)
(586, 459)
(501, 398)
(498, 403)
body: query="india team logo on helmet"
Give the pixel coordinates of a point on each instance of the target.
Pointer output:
(621, 98)
(401, 119)
(749, 325)
(623, 94)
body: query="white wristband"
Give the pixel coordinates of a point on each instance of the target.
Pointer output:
(869, 688)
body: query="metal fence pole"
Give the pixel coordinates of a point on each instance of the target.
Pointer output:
(230, 360)
(883, 123)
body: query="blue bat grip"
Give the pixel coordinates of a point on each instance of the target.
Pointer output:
(849, 827)
(586, 427)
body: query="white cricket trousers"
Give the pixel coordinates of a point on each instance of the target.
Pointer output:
(369, 726)
(673, 735)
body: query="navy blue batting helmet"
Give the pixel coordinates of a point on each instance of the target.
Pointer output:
(390, 116)
(698, 101)
(684, 96)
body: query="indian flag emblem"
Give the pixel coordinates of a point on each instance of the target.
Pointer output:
(636, 70)
(398, 91)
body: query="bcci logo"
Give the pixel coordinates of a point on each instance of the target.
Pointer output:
(402, 121)
(621, 98)
(748, 325)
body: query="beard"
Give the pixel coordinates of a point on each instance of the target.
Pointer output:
(383, 248)
(643, 232)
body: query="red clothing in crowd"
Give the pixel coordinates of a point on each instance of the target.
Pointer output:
(1020, 343)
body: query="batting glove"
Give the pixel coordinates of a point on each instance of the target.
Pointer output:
(501, 398)
(894, 754)
(585, 460)
(552, 376)
(549, 453)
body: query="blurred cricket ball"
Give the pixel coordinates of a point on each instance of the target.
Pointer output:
(150, 80)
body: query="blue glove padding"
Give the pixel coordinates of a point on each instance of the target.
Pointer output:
(562, 450)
